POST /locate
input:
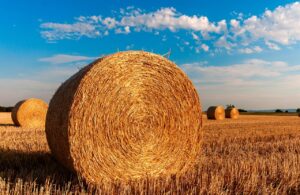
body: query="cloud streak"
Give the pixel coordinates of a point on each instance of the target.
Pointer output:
(63, 58)
(252, 84)
(42, 83)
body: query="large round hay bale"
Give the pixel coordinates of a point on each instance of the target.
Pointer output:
(126, 116)
(232, 113)
(216, 113)
(30, 113)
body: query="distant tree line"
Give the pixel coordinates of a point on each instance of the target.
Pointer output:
(277, 110)
(281, 111)
(233, 106)
(5, 109)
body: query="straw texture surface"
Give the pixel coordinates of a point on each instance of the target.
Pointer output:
(30, 113)
(216, 113)
(232, 113)
(126, 116)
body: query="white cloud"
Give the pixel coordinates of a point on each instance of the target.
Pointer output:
(248, 50)
(195, 37)
(279, 26)
(273, 29)
(169, 18)
(272, 46)
(109, 22)
(205, 47)
(57, 31)
(252, 84)
(161, 19)
(222, 42)
(63, 58)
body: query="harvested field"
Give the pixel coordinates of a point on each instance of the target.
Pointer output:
(5, 118)
(254, 154)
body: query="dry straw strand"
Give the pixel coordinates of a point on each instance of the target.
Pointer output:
(216, 113)
(126, 116)
(232, 113)
(30, 113)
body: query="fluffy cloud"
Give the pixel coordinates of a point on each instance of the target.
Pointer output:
(161, 19)
(169, 18)
(280, 26)
(205, 47)
(273, 29)
(57, 31)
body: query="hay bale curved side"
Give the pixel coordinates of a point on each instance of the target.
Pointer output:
(216, 113)
(14, 112)
(232, 113)
(30, 113)
(126, 116)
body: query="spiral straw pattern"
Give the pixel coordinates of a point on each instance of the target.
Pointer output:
(30, 113)
(124, 117)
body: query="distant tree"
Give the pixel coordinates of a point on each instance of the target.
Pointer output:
(242, 110)
(286, 111)
(278, 111)
(230, 106)
(298, 110)
(5, 109)
(9, 109)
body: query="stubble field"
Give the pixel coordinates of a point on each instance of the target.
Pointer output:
(251, 155)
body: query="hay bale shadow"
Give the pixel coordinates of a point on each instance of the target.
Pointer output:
(37, 167)
(7, 125)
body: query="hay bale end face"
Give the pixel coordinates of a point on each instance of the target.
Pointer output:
(232, 113)
(126, 116)
(30, 113)
(216, 113)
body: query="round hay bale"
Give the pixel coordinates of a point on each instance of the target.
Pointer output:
(216, 113)
(126, 116)
(30, 113)
(232, 113)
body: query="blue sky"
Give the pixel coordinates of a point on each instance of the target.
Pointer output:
(236, 52)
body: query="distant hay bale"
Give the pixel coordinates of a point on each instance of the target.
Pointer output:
(232, 113)
(216, 113)
(126, 116)
(30, 113)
